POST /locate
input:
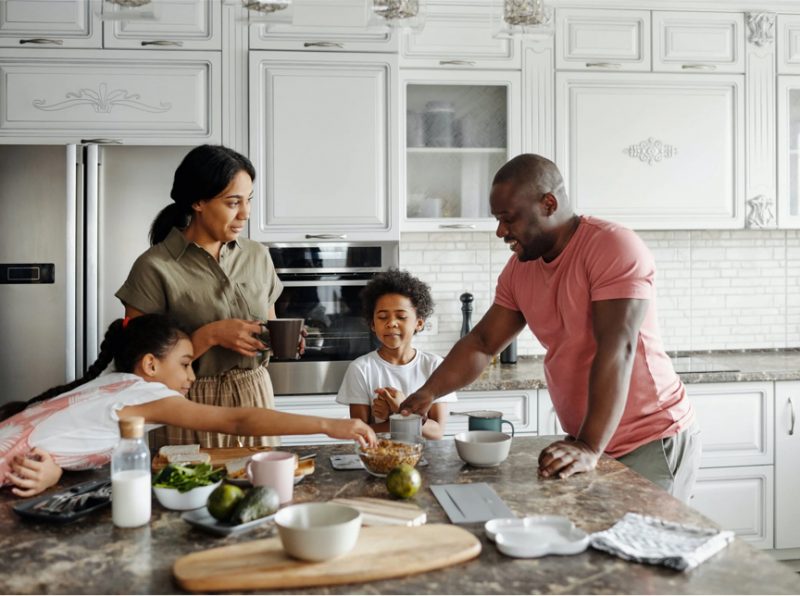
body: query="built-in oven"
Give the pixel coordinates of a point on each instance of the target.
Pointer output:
(322, 284)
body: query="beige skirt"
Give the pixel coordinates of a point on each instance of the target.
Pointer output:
(237, 388)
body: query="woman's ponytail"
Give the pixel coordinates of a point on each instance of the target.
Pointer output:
(171, 216)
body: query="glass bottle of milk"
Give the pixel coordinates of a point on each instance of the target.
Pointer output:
(130, 476)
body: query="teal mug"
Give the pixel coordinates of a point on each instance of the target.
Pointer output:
(488, 420)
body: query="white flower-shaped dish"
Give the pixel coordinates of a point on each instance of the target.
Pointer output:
(507, 524)
(540, 536)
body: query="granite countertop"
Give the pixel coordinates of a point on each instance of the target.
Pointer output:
(692, 367)
(92, 556)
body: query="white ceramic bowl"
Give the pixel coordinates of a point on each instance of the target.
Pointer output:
(483, 448)
(512, 524)
(545, 535)
(318, 531)
(172, 498)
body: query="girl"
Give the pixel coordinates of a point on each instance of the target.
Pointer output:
(217, 285)
(396, 305)
(75, 426)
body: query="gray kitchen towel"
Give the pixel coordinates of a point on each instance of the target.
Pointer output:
(646, 539)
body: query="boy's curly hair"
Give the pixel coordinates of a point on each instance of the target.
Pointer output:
(395, 281)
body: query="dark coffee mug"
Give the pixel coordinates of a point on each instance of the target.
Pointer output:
(489, 420)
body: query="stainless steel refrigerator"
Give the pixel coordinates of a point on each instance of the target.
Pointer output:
(73, 218)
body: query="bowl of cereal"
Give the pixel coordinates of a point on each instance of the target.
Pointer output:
(390, 453)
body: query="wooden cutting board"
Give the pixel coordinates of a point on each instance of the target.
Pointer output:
(219, 455)
(383, 512)
(381, 553)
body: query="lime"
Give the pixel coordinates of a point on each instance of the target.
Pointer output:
(223, 501)
(403, 481)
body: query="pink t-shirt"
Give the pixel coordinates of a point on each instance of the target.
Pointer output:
(602, 261)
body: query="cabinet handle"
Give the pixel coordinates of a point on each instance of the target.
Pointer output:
(327, 236)
(791, 411)
(101, 142)
(603, 65)
(457, 62)
(698, 67)
(43, 41)
(162, 42)
(322, 44)
(458, 226)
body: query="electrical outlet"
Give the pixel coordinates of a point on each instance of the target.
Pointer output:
(431, 325)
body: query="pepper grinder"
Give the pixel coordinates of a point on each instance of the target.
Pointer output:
(509, 355)
(466, 312)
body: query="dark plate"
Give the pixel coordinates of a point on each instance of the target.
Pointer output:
(28, 508)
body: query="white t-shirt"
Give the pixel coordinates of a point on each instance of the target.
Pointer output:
(78, 428)
(370, 372)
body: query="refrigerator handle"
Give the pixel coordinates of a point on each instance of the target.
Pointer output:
(70, 274)
(91, 258)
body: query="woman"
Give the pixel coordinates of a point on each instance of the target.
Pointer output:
(217, 285)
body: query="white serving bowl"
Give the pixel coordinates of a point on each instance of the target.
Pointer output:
(483, 448)
(172, 498)
(318, 531)
(500, 525)
(545, 535)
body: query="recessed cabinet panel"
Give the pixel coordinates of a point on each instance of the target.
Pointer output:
(653, 151)
(698, 42)
(519, 408)
(788, 44)
(602, 40)
(49, 23)
(321, 126)
(789, 151)
(61, 94)
(548, 420)
(311, 405)
(787, 456)
(183, 24)
(744, 435)
(458, 37)
(738, 499)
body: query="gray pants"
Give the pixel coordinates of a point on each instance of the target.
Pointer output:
(671, 463)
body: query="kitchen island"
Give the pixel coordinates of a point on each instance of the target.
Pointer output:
(92, 556)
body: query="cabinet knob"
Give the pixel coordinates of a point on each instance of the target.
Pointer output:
(603, 65)
(791, 419)
(42, 41)
(322, 44)
(162, 42)
(698, 67)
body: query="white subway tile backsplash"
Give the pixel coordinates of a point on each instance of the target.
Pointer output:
(716, 289)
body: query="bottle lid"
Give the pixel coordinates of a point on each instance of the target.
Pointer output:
(131, 427)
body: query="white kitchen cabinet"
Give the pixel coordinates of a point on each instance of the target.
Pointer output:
(788, 44)
(518, 407)
(178, 24)
(736, 420)
(787, 456)
(653, 151)
(788, 116)
(322, 26)
(460, 127)
(458, 36)
(698, 42)
(68, 95)
(738, 499)
(588, 39)
(310, 405)
(548, 420)
(323, 137)
(50, 23)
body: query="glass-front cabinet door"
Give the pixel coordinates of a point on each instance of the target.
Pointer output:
(460, 127)
(789, 151)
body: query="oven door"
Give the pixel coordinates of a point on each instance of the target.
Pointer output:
(330, 306)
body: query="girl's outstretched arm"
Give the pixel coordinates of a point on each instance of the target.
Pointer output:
(179, 411)
(33, 473)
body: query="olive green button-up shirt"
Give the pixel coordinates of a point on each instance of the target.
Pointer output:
(179, 278)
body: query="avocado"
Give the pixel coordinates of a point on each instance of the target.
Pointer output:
(258, 502)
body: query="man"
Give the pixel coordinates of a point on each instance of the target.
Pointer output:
(585, 288)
